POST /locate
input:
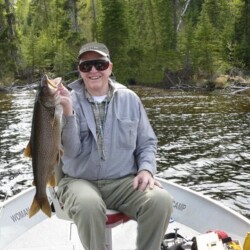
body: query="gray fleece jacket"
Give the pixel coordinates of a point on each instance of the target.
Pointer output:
(129, 140)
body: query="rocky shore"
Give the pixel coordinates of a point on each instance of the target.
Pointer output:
(229, 83)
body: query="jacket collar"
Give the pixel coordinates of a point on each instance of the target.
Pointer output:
(77, 85)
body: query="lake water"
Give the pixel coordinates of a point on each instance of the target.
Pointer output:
(204, 142)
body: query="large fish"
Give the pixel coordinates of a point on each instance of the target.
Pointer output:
(45, 142)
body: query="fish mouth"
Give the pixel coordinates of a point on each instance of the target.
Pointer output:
(51, 83)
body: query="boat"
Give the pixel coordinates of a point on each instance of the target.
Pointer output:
(195, 216)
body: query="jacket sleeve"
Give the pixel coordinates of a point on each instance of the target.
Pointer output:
(71, 134)
(145, 153)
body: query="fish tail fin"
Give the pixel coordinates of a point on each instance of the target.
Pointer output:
(44, 206)
(35, 207)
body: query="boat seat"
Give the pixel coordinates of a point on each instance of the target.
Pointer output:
(114, 218)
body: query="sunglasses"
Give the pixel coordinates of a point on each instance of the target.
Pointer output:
(100, 65)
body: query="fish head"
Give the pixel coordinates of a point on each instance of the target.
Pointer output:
(48, 91)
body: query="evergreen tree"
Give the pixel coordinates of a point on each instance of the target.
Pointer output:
(242, 36)
(113, 32)
(205, 45)
(213, 37)
(50, 38)
(151, 39)
(146, 38)
(194, 11)
(9, 57)
(3, 42)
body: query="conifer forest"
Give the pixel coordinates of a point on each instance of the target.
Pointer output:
(150, 41)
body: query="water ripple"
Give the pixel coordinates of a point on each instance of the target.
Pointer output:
(15, 124)
(204, 142)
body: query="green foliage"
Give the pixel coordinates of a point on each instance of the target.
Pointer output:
(206, 46)
(113, 32)
(7, 46)
(242, 34)
(151, 39)
(50, 43)
(194, 11)
(212, 39)
(142, 35)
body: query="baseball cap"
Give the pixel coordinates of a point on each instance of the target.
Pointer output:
(94, 46)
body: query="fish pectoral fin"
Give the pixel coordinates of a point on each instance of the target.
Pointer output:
(52, 181)
(58, 157)
(61, 152)
(52, 122)
(27, 151)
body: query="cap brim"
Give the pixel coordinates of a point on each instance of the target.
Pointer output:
(97, 51)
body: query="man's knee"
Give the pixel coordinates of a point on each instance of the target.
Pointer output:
(81, 198)
(91, 204)
(88, 206)
(162, 201)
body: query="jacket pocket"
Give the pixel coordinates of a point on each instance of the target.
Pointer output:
(127, 133)
(84, 131)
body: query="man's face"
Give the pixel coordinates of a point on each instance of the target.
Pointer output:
(96, 81)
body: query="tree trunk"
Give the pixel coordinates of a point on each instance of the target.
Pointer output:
(94, 10)
(182, 14)
(10, 20)
(12, 37)
(175, 15)
(75, 15)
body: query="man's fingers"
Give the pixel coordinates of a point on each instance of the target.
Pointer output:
(139, 184)
(135, 183)
(151, 183)
(144, 181)
(143, 185)
(158, 184)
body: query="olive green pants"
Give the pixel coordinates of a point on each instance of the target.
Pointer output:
(86, 202)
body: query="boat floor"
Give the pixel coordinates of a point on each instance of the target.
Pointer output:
(56, 234)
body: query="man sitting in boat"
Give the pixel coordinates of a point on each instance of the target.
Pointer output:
(109, 157)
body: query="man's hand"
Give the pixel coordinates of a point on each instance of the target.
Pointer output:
(144, 180)
(65, 99)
